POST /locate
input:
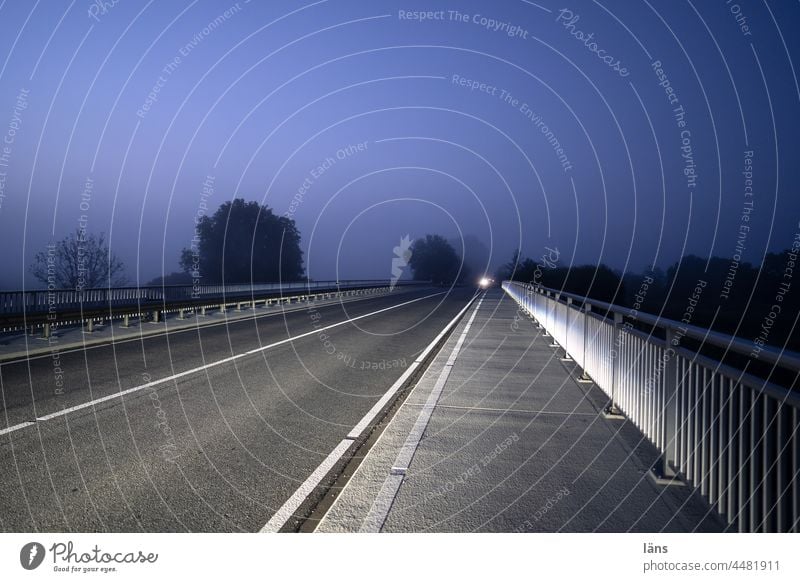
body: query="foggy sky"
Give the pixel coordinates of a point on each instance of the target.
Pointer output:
(616, 132)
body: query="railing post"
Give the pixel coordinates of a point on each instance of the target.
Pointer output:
(532, 303)
(666, 465)
(546, 311)
(556, 297)
(587, 309)
(612, 410)
(567, 357)
(546, 299)
(537, 303)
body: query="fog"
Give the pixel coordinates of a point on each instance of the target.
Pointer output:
(499, 127)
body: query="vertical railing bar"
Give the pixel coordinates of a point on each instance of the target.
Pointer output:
(612, 409)
(754, 462)
(702, 440)
(734, 426)
(745, 440)
(696, 424)
(768, 459)
(713, 454)
(783, 441)
(723, 438)
(680, 422)
(795, 472)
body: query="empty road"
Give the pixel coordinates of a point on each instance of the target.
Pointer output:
(217, 426)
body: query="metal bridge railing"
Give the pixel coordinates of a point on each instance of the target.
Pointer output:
(15, 302)
(732, 435)
(45, 309)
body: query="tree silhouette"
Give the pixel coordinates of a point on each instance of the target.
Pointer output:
(79, 261)
(596, 281)
(434, 259)
(520, 269)
(244, 242)
(733, 298)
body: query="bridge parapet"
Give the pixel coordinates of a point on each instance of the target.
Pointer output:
(730, 433)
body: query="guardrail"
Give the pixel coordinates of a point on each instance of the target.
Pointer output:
(734, 436)
(43, 309)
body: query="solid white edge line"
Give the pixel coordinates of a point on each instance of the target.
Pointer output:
(286, 511)
(375, 410)
(211, 365)
(15, 427)
(277, 521)
(382, 505)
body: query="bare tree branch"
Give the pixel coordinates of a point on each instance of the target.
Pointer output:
(79, 262)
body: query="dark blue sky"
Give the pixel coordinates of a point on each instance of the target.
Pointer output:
(259, 95)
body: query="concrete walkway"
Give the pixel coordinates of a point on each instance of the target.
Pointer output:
(512, 443)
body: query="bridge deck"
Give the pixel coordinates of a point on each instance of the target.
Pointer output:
(513, 443)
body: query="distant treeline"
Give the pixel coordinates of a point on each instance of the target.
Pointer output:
(758, 304)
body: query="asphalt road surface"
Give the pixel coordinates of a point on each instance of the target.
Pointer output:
(218, 448)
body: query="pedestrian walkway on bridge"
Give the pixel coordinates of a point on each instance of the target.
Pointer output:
(499, 435)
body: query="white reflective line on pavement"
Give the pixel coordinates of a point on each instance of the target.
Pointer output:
(286, 511)
(277, 521)
(15, 427)
(508, 410)
(375, 410)
(379, 511)
(214, 364)
(383, 502)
